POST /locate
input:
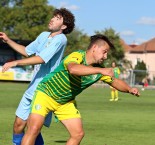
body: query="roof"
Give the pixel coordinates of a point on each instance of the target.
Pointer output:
(148, 46)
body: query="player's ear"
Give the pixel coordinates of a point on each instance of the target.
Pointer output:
(94, 47)
(63, 27)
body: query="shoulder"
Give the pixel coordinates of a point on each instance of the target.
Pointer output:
(60, 37)
(45, 33)
(79, 53)
(76, 56)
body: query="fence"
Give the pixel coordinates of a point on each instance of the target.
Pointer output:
(137, 77)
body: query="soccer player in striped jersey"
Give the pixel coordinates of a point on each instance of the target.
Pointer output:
(58, 90)
(114, 92)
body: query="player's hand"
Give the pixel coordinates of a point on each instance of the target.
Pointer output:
(107, 72)
(8, 65)
(4, 37)
(134, 91)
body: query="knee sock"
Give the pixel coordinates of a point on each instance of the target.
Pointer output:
(112, 94)
(39, 140)
(17, 138)
(116, 93)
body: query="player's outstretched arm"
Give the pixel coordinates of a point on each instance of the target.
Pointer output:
(27, 61)
(124, 87)
(17, 47)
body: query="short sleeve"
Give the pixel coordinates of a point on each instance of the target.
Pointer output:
(119, 71)
(75, 57)
(32, 47)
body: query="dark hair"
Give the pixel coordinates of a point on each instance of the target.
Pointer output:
(97, 37)
(113, 62)
(68, 19)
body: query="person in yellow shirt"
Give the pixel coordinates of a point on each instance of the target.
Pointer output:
(58, 90)
(114, 92)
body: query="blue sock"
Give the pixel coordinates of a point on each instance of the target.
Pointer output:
(39, 140)
(17, 138)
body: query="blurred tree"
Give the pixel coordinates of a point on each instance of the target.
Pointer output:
(76, 41)
(140, 71)
(118, 53)
(24, 19)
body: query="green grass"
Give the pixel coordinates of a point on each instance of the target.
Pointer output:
(130, 121)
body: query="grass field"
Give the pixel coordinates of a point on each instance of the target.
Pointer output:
(130, 121)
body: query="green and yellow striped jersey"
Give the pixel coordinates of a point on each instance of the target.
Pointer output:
(64, 87)
(116, 72)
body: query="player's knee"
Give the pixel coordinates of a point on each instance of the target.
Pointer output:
(19, 126)
(79, 135)
(34, 130)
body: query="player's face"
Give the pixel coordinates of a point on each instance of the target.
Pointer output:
(113, 64)
(101, 53)
(56, 24)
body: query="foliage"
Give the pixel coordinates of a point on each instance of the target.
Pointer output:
(140, 71)
(24, 19)
(76, 41)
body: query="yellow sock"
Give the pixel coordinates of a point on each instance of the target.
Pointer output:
(116, 93)
(112, 95)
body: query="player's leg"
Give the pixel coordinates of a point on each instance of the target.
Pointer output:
(22, 114)
(40, 109)
(75, 128)
(112, 94)
(116, 95)
(18, 130)
(34, 125)
(47, 122)
(71, 118)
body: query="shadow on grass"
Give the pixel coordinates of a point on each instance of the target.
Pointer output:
(60, 141)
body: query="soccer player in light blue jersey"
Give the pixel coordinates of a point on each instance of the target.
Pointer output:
(48, 49)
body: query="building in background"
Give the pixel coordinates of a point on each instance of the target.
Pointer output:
(144, 52)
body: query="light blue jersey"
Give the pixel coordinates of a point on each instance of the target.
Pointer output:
(51, 50)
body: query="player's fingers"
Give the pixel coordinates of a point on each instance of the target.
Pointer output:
(4, 68)
(137, 93)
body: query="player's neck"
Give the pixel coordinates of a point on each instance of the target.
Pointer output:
(55, 33)
(89, 58)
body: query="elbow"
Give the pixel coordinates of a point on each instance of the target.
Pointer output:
(25, 55)
(71, 69)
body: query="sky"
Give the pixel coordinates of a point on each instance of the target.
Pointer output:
(133, 20)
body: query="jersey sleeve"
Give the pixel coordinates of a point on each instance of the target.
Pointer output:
(32, 47)
(107, 79)
(75, 57)
(118, 71)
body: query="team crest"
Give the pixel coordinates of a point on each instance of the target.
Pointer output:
(38, 107)
(48, 44)
(94, 77)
